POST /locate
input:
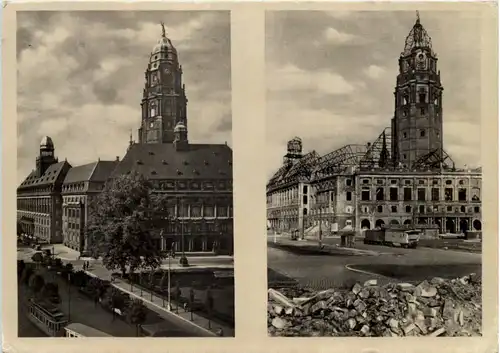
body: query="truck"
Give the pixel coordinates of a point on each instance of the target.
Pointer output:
(406, 238)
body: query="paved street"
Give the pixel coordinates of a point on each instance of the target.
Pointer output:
(322, 271)
(84, 311)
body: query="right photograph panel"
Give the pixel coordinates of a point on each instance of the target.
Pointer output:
(374, 173)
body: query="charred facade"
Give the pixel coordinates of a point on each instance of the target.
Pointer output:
(403, 177)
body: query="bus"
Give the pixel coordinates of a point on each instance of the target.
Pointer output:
(46, 317)
(80, 330)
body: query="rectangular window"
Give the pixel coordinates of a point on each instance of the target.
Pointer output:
(348, 196)
(407, 194)
(304, 189)
(365, 195)
(462, 194)
(208, 210)
(196, 211)
(421, 194)
(348, 182)
(221, 211)
(421, 98)
(448, 194)
(304, 199)
(380, 194)
(394, 209)
(435, 194)
(393, 193)
(421, 209)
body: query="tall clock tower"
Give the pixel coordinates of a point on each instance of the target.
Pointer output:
(417, 125)
(164, 99)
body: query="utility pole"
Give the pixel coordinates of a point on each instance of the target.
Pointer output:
(169, 283)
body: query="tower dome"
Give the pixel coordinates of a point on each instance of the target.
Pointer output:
(164, 44)
(46, 142)
(417, 38)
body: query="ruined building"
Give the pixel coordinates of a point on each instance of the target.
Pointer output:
(403, 177)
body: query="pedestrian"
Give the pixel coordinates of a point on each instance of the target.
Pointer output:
(220, 333)
(185, 307)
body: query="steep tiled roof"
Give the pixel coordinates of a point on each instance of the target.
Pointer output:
(80, 173)
(49, 177)
(95, 171)
(164, 161)
(103, 170)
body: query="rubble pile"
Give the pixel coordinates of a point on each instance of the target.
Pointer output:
(432, 308)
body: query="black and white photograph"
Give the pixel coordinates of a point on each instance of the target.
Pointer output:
(374, 169)
(124, 174)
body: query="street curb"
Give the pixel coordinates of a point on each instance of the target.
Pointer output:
(327, 250)
(348, 267)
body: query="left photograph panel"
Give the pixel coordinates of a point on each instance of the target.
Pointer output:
(124, 196)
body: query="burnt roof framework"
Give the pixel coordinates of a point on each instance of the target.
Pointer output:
(433, 160)
(312, 167)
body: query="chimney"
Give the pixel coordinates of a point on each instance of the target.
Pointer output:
(117, 158)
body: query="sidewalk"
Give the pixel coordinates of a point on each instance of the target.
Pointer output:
(313, 245)
(156, 305)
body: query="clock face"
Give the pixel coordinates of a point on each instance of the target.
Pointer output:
(167, 71)
(421, 60)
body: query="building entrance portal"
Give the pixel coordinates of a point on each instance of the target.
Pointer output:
(365, 224)
(450, 226)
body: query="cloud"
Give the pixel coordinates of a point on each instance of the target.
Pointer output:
(290, 77)
(81, 77)
(331, 78)
(334, 36)
(374, 71)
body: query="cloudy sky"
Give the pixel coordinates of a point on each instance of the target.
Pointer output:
(331, 78)
(81, 76)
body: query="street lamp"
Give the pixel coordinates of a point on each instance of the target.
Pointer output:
(69, 297)
(183, 260)
(169, 283)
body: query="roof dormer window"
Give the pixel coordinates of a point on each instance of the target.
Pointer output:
(206, 162)
(164, 162)
(139, 161)
(179, 172)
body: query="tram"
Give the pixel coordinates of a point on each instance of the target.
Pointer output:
(80, 330)
(47, 317)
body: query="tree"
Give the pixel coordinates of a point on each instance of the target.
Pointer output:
(137, 314)
(27, 273)
(36, 283)
(21, 265)
(121, 223)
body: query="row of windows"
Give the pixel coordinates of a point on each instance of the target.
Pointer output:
(475, 182)
(35, 205)
(394, 194)
(424, 209)
(200, 211)
(197, 227)
(72, 212)
(72, 225)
